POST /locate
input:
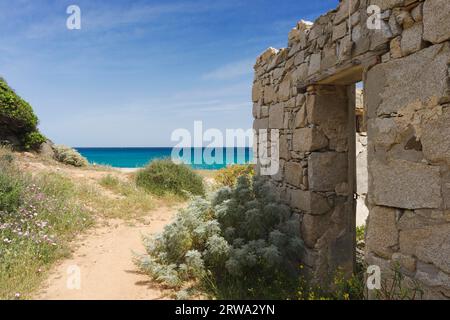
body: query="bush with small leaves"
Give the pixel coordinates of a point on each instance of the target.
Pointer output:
(162, 177)
(18, 119)
(240, 243)
(228, 176)
(69, 156)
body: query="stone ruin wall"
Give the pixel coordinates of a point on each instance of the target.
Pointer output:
(304, 90)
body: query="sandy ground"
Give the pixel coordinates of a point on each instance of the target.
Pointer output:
(103, 259)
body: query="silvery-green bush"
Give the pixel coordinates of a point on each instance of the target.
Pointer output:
(239, 243)
(69, 156)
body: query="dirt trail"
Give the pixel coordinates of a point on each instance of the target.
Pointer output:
(104, 258)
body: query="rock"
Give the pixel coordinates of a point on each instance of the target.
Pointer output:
(436, 21)
(386, 4)
(313, 227)
(269, 53)
(309, 202)
(395, 27)
(396, 48)
(309, 139)
(384, 132)
(345, 7)
(284, 90)
(294, 173)
(269, 94)
(314, 63)
(327, 170)
(404, 18)
(388, 93)
(430, 245)
(300, 118)
(260, 124)
(46, 150)
(404, 261)
(404, 184)
(412, 39)
(300, 73)
(256, 91)
(435, 138)
(276, 116)
(339, 31)
(417, 13)
(382, 234)
(432, 276)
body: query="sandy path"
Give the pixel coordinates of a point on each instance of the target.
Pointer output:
(104, 259)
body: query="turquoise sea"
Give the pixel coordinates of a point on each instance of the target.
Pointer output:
(198, 158)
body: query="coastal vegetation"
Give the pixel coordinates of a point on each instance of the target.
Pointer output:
(162, 177)
(18, 121)
(39, 215)
(228, 176)
(69, 156)
(238, 243)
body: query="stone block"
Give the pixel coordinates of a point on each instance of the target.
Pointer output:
(430, 245)
(256, 91)
(309, 139)
(339, 31)
(315, 63)
(269, 94)
(412, 39)
(436, 138)
(309, 202)
(294, 173)
(386, 4)
(300, 73)
(436, 21)
(300, 118)
(406, 262)
(382, 233)
(404, 184)
(276, 113)
(396, 48)
(414, 82)
(345, 7)
(327, 170)
(313, 227)
(284, 90)
(259, 124)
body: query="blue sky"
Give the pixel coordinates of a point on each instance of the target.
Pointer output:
(137, 70)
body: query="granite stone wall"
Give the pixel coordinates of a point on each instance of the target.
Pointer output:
(401, 50)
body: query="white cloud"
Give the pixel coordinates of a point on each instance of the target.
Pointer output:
(231, 71)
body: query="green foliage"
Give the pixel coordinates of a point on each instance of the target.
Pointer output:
(33, 140)
(239, 244)
(360, 233)
(163, 177)
(109, 182)
(18, 119)
(38, 216)
(228, 176)
(342, 288)
(69, 156)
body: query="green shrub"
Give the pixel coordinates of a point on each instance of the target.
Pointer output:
(228, 176)
(33, 140)
(162, 177)
(18, 119)
(69, 156)
(38, 216)
(239, 244)
(109, 182)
